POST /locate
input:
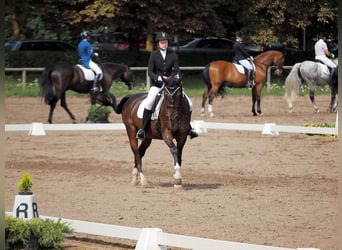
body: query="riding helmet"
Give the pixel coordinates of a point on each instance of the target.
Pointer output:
(162, 36)
(239, 34)
(85, 34)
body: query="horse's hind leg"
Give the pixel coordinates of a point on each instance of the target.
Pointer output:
(65, 106)
(52, 108)
(312, 98)
(204, 99)
(333, 101)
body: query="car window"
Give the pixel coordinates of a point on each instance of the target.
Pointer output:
(226, 44)
(46, 46)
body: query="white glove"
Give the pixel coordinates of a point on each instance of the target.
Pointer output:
(177, 76)
(96, 54)
(159, 79)
(332, 55)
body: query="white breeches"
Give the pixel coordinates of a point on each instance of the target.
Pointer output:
(247, 64)
(151, 96)
(95, 68)
(326, 61)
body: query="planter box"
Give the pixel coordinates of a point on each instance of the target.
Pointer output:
(25, 206)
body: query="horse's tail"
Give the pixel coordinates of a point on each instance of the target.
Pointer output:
(206, 76)
(118, 108)
(292, 84)
(45, 84)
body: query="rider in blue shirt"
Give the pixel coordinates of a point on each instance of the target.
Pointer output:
(85, 52)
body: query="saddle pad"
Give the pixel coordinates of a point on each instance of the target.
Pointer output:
(155, 114)
(324, 70)
(89, 75)
(240, 68)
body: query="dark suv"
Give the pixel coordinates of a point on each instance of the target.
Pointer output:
(38, 45)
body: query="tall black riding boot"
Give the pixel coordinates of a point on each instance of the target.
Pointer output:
(95, 87)
(332, 72)
(250, 81)
(145, 120)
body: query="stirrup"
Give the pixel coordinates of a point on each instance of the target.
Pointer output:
(140, 134)
(95, 89)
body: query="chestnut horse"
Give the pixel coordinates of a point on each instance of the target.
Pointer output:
(172, 124)
(57, 79)
(219, 74)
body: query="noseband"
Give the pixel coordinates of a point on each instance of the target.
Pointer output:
(171, 92)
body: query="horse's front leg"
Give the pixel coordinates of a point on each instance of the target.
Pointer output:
(312, 98)
(138, 152)
(176, 160)
(254, 99)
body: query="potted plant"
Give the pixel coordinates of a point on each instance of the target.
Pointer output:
(98, 114)
(25, 184)
(25, 203)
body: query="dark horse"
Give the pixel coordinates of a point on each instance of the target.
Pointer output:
(57, 79)
(219, 74)
(172, 123)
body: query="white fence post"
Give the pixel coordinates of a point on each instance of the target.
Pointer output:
(148, 240)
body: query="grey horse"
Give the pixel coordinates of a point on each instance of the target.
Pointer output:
(313, 73)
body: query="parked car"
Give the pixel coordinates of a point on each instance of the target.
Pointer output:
(38, 45)
(209, 44)
(113, 41)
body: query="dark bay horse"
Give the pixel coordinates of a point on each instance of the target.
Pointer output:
(172, 124)
(220, 74)
(57, 79)
(313, 73)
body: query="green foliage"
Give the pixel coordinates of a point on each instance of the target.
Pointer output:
(321, 125)
(25, 184)
(49, 234)
(98, 113)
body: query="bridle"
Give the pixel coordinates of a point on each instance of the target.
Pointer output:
(171, 91)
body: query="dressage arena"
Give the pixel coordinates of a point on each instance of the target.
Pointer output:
(238, 186)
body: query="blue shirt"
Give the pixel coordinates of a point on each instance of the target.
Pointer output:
(85, 52)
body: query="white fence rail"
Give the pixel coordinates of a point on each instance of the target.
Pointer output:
(156, 239)
(206, 125)
(190, 68)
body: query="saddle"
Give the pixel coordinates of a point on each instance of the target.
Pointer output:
(88, 74)
(156, 106)
(325, 70)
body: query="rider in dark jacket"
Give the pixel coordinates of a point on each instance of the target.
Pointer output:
(242, 56)
(162, 63)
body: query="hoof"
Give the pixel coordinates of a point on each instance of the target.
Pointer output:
(177, 181)
(177, 187)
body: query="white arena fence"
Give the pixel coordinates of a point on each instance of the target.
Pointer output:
(201, 126)
(156, 239)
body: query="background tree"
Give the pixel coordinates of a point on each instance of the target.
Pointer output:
(265, 21)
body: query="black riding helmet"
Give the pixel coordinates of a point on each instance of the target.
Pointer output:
(162, 36)
(239, 34)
